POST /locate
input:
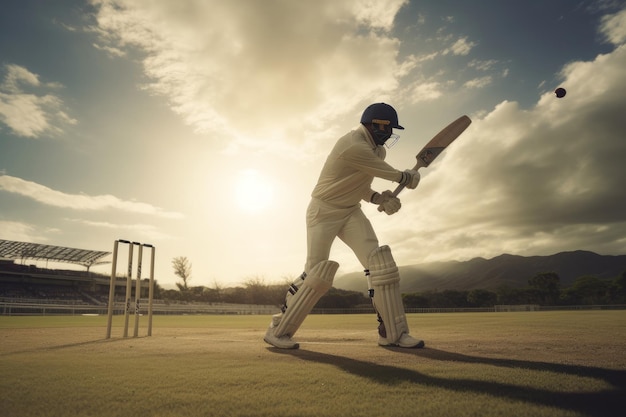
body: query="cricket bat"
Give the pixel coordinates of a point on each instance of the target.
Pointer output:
(436, 146)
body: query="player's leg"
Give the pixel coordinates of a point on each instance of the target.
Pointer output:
(359, 235)
(324, 223)
(357, 232)
(384, 280)
(387, 300)
(322, 228)
(284, 325)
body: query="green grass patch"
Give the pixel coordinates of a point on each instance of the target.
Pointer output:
(475, 364)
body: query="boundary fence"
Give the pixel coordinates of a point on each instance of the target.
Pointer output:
(48, 309)
(8, 308)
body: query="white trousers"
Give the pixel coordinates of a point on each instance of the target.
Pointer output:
(325, 223)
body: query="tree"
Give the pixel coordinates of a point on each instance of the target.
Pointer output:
(337, 298)
(548, 286)
(507, 295)
(257, 291)
(511, 296)
(218, 290)
(415, 300)
(436, 299)
(182, 269)
(588, 290)
(617, 289)
(451, 298)
(482, 298)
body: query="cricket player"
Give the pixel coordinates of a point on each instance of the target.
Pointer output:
(335, 211)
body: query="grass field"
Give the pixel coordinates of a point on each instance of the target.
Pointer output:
(475, 364)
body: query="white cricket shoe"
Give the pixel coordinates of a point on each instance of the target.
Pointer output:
(283, 342)
(405, 341)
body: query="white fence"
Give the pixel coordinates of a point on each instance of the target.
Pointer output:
(59, 308)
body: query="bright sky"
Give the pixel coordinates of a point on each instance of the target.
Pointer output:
(201, 126)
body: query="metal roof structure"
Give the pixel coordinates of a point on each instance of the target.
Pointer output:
(23, 250)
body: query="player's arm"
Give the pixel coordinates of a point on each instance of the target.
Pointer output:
(363, 159)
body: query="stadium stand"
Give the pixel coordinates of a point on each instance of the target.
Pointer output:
(27, 289)
(21, 282)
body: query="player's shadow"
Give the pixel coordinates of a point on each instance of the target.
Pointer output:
(50, 348)
(597, 404)
(616, 378)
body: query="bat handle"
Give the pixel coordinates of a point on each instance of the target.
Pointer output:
(399, 188)
(395, 194)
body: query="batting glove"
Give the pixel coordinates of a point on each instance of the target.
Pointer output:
(410, 178)
(387, 201)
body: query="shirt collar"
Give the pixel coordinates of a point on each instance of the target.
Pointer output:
(368, 137)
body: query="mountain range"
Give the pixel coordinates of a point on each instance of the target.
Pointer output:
(504, 270)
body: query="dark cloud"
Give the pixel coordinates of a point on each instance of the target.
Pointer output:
(534, 181)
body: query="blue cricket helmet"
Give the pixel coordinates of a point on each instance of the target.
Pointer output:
(381, 111)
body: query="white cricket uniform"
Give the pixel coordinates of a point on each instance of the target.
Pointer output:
(335, 209)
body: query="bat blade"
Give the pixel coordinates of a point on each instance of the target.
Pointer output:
(437, 145)
(441, 141)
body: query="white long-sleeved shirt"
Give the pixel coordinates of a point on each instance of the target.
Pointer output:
(350, 168)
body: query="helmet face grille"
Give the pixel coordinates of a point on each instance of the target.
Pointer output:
(381, 112)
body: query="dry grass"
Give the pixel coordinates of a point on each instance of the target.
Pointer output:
(476, 364)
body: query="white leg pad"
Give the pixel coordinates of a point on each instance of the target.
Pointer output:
(315, 285)
(387, 299)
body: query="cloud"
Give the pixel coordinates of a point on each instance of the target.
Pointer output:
(30, 114)
(483, 65)
(531, 181)
(425, 91)
(614, 27)
(460, 47)
(138, 229)
(112, 51)
(478, 82)
(48, 196)
(376, 13)
(24, 232)
(250, 70)
(17, 76)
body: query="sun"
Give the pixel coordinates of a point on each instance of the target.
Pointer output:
(254, 192)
